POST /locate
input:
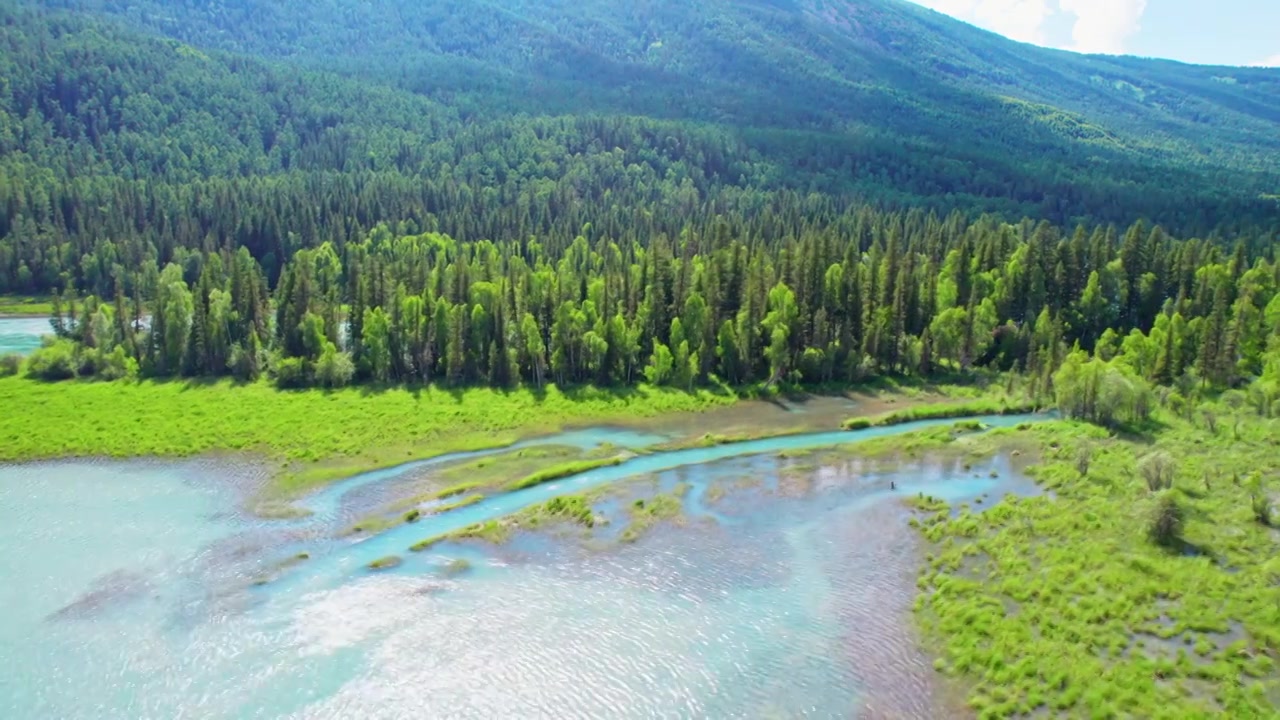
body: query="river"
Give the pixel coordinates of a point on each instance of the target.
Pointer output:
(22, 335)
(129, 592)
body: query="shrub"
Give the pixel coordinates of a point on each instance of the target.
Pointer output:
(1259, 500)
(334, 369)
(1261, 508)
(116, 365)
(290, 372)
(53, 362)
(1158, 469)
(1084, 457)
(245, 364)
(1167, 521)
(1210, 418)
(10, 365)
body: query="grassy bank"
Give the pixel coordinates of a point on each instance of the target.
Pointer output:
(1068, 605)
(942, 411)
(25, 306)
(312, 436)
(563, 470)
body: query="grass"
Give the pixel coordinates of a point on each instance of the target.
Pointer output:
(25, 305)
(465, 502)
(374, 524)
(938, 411)
(1064, 604)
(459, 489)
(563, 470)
(425, 545)
(457, 566)
(645, 514)
(386, 563)
(311, 437)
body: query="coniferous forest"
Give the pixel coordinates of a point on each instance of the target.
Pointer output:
(200, 214)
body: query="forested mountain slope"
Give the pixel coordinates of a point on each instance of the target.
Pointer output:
(879, 119)
(275, 218)
(831, 64)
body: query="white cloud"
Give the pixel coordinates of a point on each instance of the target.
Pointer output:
(1102, 26)
(1098, 26)
(1273, 61)
(1018, 19)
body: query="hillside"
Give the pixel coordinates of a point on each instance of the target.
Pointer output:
(261, 125)
(830, 64)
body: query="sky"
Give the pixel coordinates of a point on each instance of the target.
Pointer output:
(1211, 32)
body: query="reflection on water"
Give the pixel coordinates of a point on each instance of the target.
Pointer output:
(128, 593)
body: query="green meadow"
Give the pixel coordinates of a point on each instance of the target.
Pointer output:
(309, 436)
(1144, 583)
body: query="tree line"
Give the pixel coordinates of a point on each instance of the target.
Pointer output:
(873, 293)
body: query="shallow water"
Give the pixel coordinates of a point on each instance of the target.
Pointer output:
(128, 594)
(22, 335)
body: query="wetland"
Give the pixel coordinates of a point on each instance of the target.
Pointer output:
(749, 559)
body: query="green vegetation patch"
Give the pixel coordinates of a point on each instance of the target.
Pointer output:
(456, 567)
(387, 563)
(1144, 586)
(465, 502)
(937, 411)
(312, 436)
(645, 514)
(562, 471)
(25, 306)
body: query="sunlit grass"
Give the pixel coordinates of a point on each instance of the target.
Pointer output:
(25, 305)
(1063, 604)
(311, 437)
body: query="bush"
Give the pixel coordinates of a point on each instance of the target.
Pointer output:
(245, 364)
(10, 365)
(334, 369)
(1167, 521)
(1084, 458)
(1259, 500)
(53, 362)
(1210, 418)
(290, 372)
(116, 365)
(1158, 469)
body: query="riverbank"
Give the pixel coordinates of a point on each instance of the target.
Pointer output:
(25, 306)
(1069, 604)
(312, 437)
(307, 437)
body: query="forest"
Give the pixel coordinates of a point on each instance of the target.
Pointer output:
(198, 215)
(868, 294)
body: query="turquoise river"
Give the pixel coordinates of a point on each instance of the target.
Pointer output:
(22, 335)
(144, 590)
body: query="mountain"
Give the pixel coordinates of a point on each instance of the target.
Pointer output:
(834, 64)
(878, 100)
